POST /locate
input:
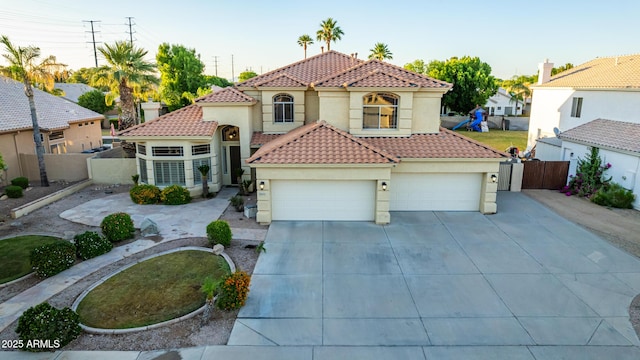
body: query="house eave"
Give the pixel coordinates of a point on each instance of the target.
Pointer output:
(602, 147)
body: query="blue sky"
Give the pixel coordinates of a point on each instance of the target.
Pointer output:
(512, 37)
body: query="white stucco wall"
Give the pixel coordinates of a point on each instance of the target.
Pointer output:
(548, 152)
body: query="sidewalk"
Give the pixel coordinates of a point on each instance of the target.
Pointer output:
(174, 223)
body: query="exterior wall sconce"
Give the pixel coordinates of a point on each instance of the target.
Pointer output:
(384, 186)
(494, 178)
(261, 185)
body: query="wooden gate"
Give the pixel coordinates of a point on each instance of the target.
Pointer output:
(550, 175)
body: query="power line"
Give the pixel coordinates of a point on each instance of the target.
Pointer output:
(130, 32)
(93, 36)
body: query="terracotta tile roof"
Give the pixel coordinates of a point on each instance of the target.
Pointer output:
(608, 133)
(308, 70)
(616, 72)
(54, 113)
(445, 145)
(182, 122)
(375, 73)
(258, 139)
(226, 95)
(282, 80)
(319, 143)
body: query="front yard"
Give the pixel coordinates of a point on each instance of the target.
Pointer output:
(498, 139)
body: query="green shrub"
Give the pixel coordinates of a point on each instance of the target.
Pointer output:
(237, 202)
(175, 195)
(232, 293)
(48, 260)
(614, 195)
(117, 227)
(90, 244)
(55, 327)
(219, 232)
(13, 191)
(21, 181)
(145, 194)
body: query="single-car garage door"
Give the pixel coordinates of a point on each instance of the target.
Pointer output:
(323, 200)
(446, 192)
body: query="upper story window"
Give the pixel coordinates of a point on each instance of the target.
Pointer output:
(380, 111)
(167, 151)
(283, 108)
(200, 149)
(576, 107)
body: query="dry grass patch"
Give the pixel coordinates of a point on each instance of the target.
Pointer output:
(498, 139)
(153, 291)
(15, 255)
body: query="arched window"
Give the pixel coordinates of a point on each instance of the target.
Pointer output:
(283, 108)
(380, 111)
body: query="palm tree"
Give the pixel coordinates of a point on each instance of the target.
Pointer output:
(127, 75)
(329, 32)
(381, 52)
(24, 66)
(303, 41)
(518, 89)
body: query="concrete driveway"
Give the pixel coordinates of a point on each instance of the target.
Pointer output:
(520, 284)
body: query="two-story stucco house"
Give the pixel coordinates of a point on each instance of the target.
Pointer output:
(331, 137)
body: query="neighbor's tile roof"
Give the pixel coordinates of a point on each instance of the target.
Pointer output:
(182, 122)
(226, 95)
(258, 139)
(308, 70)
(608, 133)
(320, 143)
(73, 91)
(375, 73)
(53, 112)
(616, 72)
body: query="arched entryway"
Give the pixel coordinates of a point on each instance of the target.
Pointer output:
(230, 152)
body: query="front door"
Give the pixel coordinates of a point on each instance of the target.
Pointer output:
(234, 163)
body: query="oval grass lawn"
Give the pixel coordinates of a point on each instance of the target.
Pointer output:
(15, 255)
(155, 290)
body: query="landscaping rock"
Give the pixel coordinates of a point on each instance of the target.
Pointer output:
(68, 235)
(149, 228)
(4, 197)
(218, 249)
(16, 224)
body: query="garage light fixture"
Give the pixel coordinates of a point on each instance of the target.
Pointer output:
(261, 185)
(494, 178)
(384, 186)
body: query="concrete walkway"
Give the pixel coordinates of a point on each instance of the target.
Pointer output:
(174, 222)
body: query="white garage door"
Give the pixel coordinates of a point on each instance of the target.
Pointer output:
(447, 192)
(322, 200)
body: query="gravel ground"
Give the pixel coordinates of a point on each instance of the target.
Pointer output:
(191, 332)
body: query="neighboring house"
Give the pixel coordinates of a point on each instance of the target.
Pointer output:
(73, 91)
(64, 126)
(619, 144)
(607, 88)
(331, 137)
(502, 104)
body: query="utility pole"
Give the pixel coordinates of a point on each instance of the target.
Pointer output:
(215, 62)
(130, 32)
(233, 76)
(93, 37)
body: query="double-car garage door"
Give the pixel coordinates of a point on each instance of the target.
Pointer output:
(355, 200)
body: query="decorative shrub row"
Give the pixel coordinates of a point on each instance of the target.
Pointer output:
(48, 260)
(175, 195)
(21, 181)
(117, 227)
(234, 291)
(614, 195)
(45, 328)
(219, 232)
(13, 191)
(145, 194)
(90, 244)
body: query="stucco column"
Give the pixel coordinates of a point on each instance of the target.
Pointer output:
(263, 215)
(488, 194)
(382, 202)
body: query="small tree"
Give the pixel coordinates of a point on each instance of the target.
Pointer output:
(246, 75)
(589, 176)
(210, 288)
(94, 100)
(204, 172)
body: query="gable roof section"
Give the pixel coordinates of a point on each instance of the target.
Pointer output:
(226, 95)
(258, 139)
(73, 91)
(616, 72)
(308, 70)
(319, 143)
(612, 134)
(182, 122)
(283, 80)
(375, 73)
(54, 113)
(446, 144)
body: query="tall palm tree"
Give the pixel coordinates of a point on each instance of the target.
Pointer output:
(24, 66)
(303, 41)
(518, 89)
(127, 75)
(381, 52)
(329, 31)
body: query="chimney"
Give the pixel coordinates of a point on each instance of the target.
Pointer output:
(544, 71)
(151, 110)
